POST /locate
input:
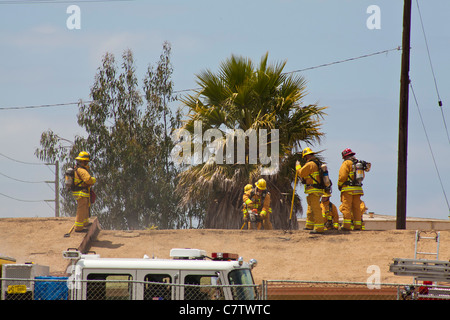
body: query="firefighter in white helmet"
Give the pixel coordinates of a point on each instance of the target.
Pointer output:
(310, 177)
(82, 190)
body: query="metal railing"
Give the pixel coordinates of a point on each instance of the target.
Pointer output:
(334, 290)
(69, 289)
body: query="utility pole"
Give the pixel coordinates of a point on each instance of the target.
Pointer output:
(403, 119)
(57, 189)
(56, 182)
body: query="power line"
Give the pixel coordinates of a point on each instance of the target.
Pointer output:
(24, 200)
(40, 106)
(325, 64)
(432, 70)
(23, 162)
(56, 182)
(25, 181)
(187, 90)
(429, 145)
(57, 2)
(428, 51)
(346, 60)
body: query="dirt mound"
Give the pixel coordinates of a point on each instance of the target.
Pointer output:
(281, 255)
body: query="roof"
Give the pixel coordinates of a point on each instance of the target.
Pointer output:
(160, 264)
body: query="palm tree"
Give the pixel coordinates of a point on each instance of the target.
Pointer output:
(244, 96)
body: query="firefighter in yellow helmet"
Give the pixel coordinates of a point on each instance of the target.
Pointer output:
(83, 182)
(258, 204)
(329, 212)
(310, 177)
(351, 192)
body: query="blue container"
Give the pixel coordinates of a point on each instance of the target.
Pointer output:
(51, 290)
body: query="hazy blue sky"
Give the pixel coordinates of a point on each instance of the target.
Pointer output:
(45, 62)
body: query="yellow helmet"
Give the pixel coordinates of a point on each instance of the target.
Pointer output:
(261, 184)
(248, 187)
(326, 195)
(307, 151)
(83, 156)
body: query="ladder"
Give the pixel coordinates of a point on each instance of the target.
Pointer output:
(436, 238)
(421, 269)
(425, 270)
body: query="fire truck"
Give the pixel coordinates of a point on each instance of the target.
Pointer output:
(188, 275)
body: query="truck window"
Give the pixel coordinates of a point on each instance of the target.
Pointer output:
(155, 291)
(242, 277)
(199, 288)
(109, 286)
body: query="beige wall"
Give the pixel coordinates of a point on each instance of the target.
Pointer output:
(411, 224)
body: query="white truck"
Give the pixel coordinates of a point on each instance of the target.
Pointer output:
(188, 275)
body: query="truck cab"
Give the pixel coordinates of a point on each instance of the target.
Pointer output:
(189, 275)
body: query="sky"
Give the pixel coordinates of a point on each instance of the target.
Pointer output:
(46, 61)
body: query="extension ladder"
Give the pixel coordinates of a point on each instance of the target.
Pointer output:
(421, 269)
(436, 238)
(425, 270)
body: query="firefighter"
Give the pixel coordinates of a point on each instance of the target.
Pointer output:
(310, 177)
(258, 204)
(83, 182)
(248, 190)
(329, 213)
(363, 211)
(351, 192)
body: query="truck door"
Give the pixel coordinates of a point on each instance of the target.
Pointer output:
(202, 285)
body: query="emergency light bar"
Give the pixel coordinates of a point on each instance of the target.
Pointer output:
(224, 256)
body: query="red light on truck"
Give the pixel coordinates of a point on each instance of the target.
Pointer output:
(224, 256)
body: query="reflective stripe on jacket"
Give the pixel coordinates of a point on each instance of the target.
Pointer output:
(83, 179)
(253, 201)
(309, 171)
(346, 176)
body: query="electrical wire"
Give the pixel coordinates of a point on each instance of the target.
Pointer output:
(346, 60)
(432, 70)
(23, 200)
(57, 2)
(25, 181)
(429, 145)
(186, 90)
(40, 106)
(428, 51)
(23, 162)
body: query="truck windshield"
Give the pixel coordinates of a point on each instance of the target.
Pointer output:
(245, 288)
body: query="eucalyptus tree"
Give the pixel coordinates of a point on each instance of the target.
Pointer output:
(128, 138)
